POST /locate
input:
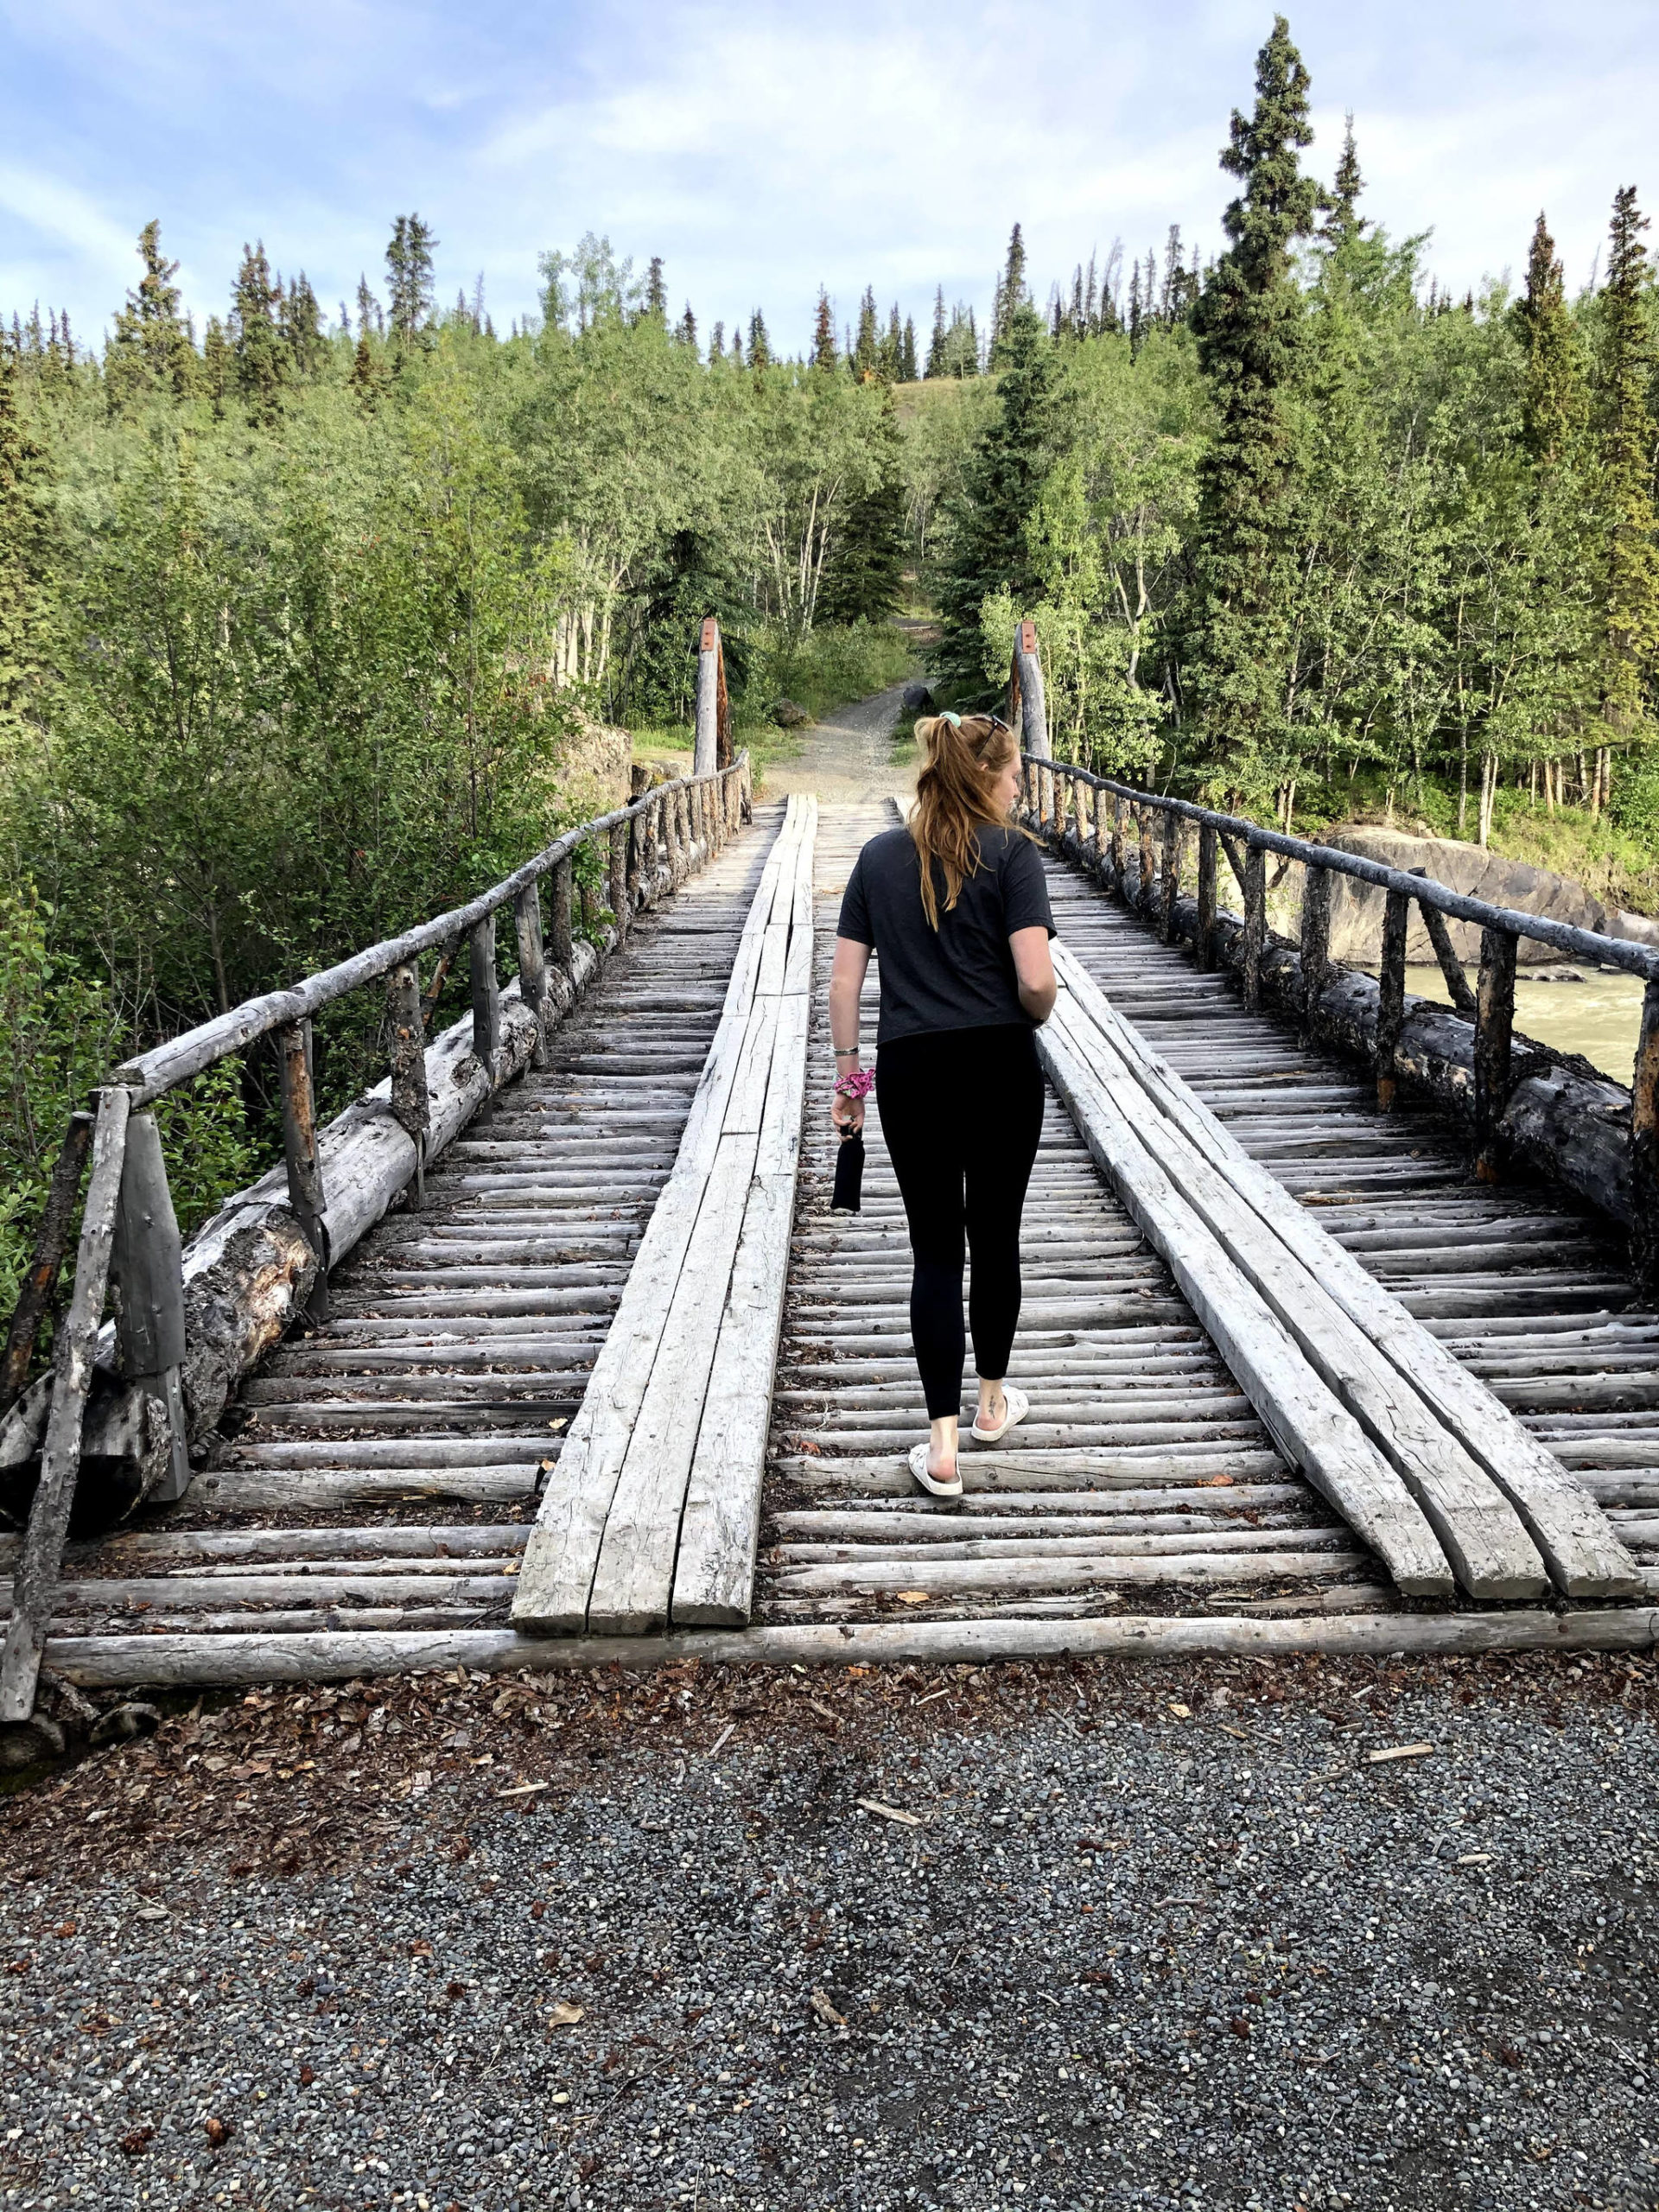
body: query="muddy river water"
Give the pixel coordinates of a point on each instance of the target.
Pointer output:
(1598, 1016)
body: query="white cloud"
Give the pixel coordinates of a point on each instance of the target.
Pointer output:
(764, 150)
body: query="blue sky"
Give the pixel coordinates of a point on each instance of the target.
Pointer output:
(765, 150)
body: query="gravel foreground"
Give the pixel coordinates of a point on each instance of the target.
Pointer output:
(1100, 1935)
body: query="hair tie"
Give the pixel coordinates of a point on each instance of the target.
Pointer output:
(945, 716)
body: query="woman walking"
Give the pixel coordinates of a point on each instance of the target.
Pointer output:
(956, 909)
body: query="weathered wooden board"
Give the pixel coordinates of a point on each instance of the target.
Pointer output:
(1582, 1552)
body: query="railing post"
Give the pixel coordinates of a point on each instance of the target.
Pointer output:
(51, 1243)
(1143, 818)
(620, 903)
(305, 1192)
(1644, 1150)
(633, 859)
(1096, 807)
(487, 995)
(1027, 708)
(411, 1106)
(1205, 947)
(532, 965)
(1120, 806)
(706, 755)
(1494, 1032)
(37, 1576)
(1172, 874)
(1391, 997)
(1316, 947)
(559, 919)
(1256, 923)
(146, 1262)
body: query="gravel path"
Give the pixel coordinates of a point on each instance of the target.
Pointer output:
(1125, 1936)
(847, 758)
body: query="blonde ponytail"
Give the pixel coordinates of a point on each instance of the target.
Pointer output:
(963, 757)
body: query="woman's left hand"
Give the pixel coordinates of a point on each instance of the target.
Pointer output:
(846, 1113)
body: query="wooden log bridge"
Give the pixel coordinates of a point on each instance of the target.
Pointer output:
(549, 1352)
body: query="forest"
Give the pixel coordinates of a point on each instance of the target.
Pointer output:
(299, 615)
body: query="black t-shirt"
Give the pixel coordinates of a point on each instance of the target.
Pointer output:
(962, 975)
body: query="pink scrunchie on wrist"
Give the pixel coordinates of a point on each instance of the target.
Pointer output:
(856, 1085)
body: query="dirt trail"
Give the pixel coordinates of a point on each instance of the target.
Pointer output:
(846, 759)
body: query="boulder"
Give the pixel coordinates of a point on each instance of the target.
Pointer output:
(788, 715)
(917, 699)
(1357, 908)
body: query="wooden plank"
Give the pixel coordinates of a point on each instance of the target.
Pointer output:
(1581, 1551)
(713, 1576)
(1478, 1527)
(563, 1555)
(634, 1572)
(1312, 1429)
(54, 1495)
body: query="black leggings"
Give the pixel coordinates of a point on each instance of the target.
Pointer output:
(962, 1111)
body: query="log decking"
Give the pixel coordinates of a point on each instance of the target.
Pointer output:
(1296, 1377)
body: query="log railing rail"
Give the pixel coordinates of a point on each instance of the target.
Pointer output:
(129, 1231)
(1091, 814)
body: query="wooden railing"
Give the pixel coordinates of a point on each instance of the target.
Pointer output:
(128, 1228)
(1099, 820)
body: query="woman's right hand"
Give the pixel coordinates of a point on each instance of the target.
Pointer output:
(845, 1114)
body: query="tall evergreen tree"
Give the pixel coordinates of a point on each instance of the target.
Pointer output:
(988, 549)
(301, 326)
(864, 574)
(656, 289)
(687, 333)
(1625, 444)
(717, 342)
(1248, 319)
(1554, 407)
(409, 280)
(263, 360)
(1011, 291)
(371, 316)
(864, 362)
(218, 365)
(935, 361)
(1342, 223)
(890, 349)
(908, 369)
(151, 352)
(824, 355)
(759, 344)
(28, 548)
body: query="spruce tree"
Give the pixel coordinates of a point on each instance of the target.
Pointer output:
(864, 356)
(1005, 475)
(409, 277)
(687, 333)
(1625, 466)
(889, 350)
(263, 361)
(151, 352)
(908, 370)
(935, 361)
(28, 550)
(864, 574)
(1342, 224)
(718, 343)
(824, 355)
(369, 315)
(1011, 292)
(1248, 320)
(759, 344)
(1554, 404)
(655, 290)
(301, 326)
(218, 365)
(367, 378)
